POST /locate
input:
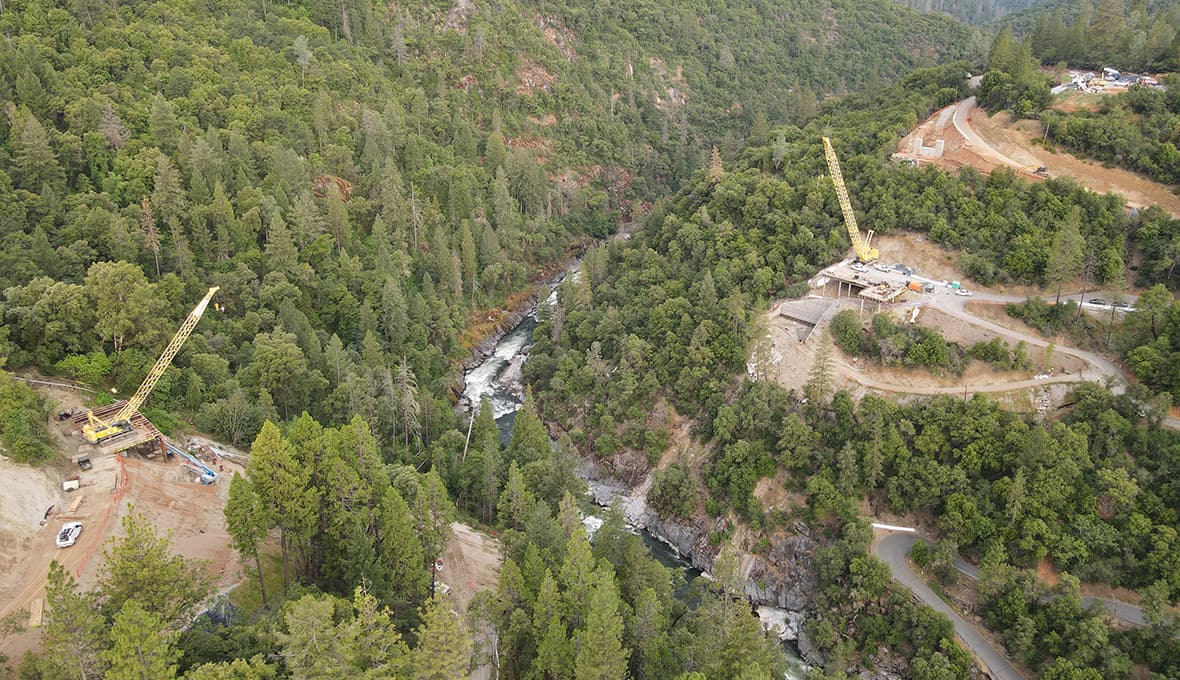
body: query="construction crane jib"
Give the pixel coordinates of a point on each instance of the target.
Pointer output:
(863, 247)
(95, 430)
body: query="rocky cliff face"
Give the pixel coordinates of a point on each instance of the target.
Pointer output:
(780, 579)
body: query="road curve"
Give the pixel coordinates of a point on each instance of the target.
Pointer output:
(894, 549)
(1127, 613)
(980, 146)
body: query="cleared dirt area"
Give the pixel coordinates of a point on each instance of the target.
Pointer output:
(471, 563)
(1010, 142)
(162, 491)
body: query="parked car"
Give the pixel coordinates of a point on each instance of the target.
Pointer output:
(69, 534)
(964, 292)
(1123, 305)
(858, 267)
(1097, 302)
(880, 267)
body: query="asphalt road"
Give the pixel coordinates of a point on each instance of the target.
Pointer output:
(894, 549)
(962, 110)
(1123, 611)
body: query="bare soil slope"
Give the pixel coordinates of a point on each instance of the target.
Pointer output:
(1010, 142)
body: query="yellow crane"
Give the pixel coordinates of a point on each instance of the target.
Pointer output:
(96, 430)
(863, 248)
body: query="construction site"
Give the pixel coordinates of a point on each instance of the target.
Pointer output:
(963, 135)
(114, 461)
(912, 279)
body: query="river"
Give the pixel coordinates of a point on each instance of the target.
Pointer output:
(498, 378)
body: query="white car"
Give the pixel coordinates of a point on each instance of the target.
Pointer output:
(881, 268)
(964, 292)
(69, 534)
(858, 267)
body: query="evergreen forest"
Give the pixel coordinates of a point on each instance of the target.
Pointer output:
(377, 189)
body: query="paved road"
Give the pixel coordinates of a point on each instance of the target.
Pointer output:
(980, 146)
(893, 549)
(1123, 611)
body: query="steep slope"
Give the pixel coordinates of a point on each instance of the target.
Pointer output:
(972, 11)
(363, 181)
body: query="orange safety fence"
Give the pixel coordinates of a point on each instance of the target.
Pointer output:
(117, 496)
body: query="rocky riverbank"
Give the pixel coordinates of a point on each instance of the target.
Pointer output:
(781, 584)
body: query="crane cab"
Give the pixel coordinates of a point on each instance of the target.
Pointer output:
(96, 430)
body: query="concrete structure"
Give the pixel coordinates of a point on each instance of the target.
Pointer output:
(922, 151)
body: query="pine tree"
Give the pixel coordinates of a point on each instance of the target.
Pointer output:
(1067, 254)
(311, 646)
(36, 162)
(140, 647)
(819, 380)
(246, 521)
(75, 631)
(401, 550)
(716, 168)
(600, 651)
(409, 409)
(151, 235)
(373, 646)
(530, 439)
(577, 578)
(516, 502)
(444, 643)
(139, 565)
(283, 487)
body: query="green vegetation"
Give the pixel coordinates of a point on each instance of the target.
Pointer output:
(666, 315)
(1134, 130)
(901, 344)
(23, 414)
(1125, 35)
(572, 608)
(1013, 79)
(1147, 341)
(972, 11)
(1056, 319)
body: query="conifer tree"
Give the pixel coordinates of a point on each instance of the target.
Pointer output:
(246, 521)
(283, 486)
(600, 651)
(401, 551)
(444, 643)
(141, 649)
(530, 439)
(75, 632)
(516, 501)
(139, 565)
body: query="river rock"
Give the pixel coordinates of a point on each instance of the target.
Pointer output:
(808, 650)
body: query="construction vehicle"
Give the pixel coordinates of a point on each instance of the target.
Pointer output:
(862, 247)
(97, 430)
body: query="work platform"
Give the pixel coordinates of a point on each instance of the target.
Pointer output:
(142, 431)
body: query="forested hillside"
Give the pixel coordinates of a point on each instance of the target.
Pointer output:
(154, 149)
(972, 11)
(1133, 35)
(1135, 130)
(667, 316)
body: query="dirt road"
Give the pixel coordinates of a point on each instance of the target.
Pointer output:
(986, 142)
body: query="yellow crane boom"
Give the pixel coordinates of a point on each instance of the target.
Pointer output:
(95, 430)
(863, 248)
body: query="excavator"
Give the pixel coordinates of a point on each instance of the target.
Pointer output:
(96, 430)
(865, 253)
